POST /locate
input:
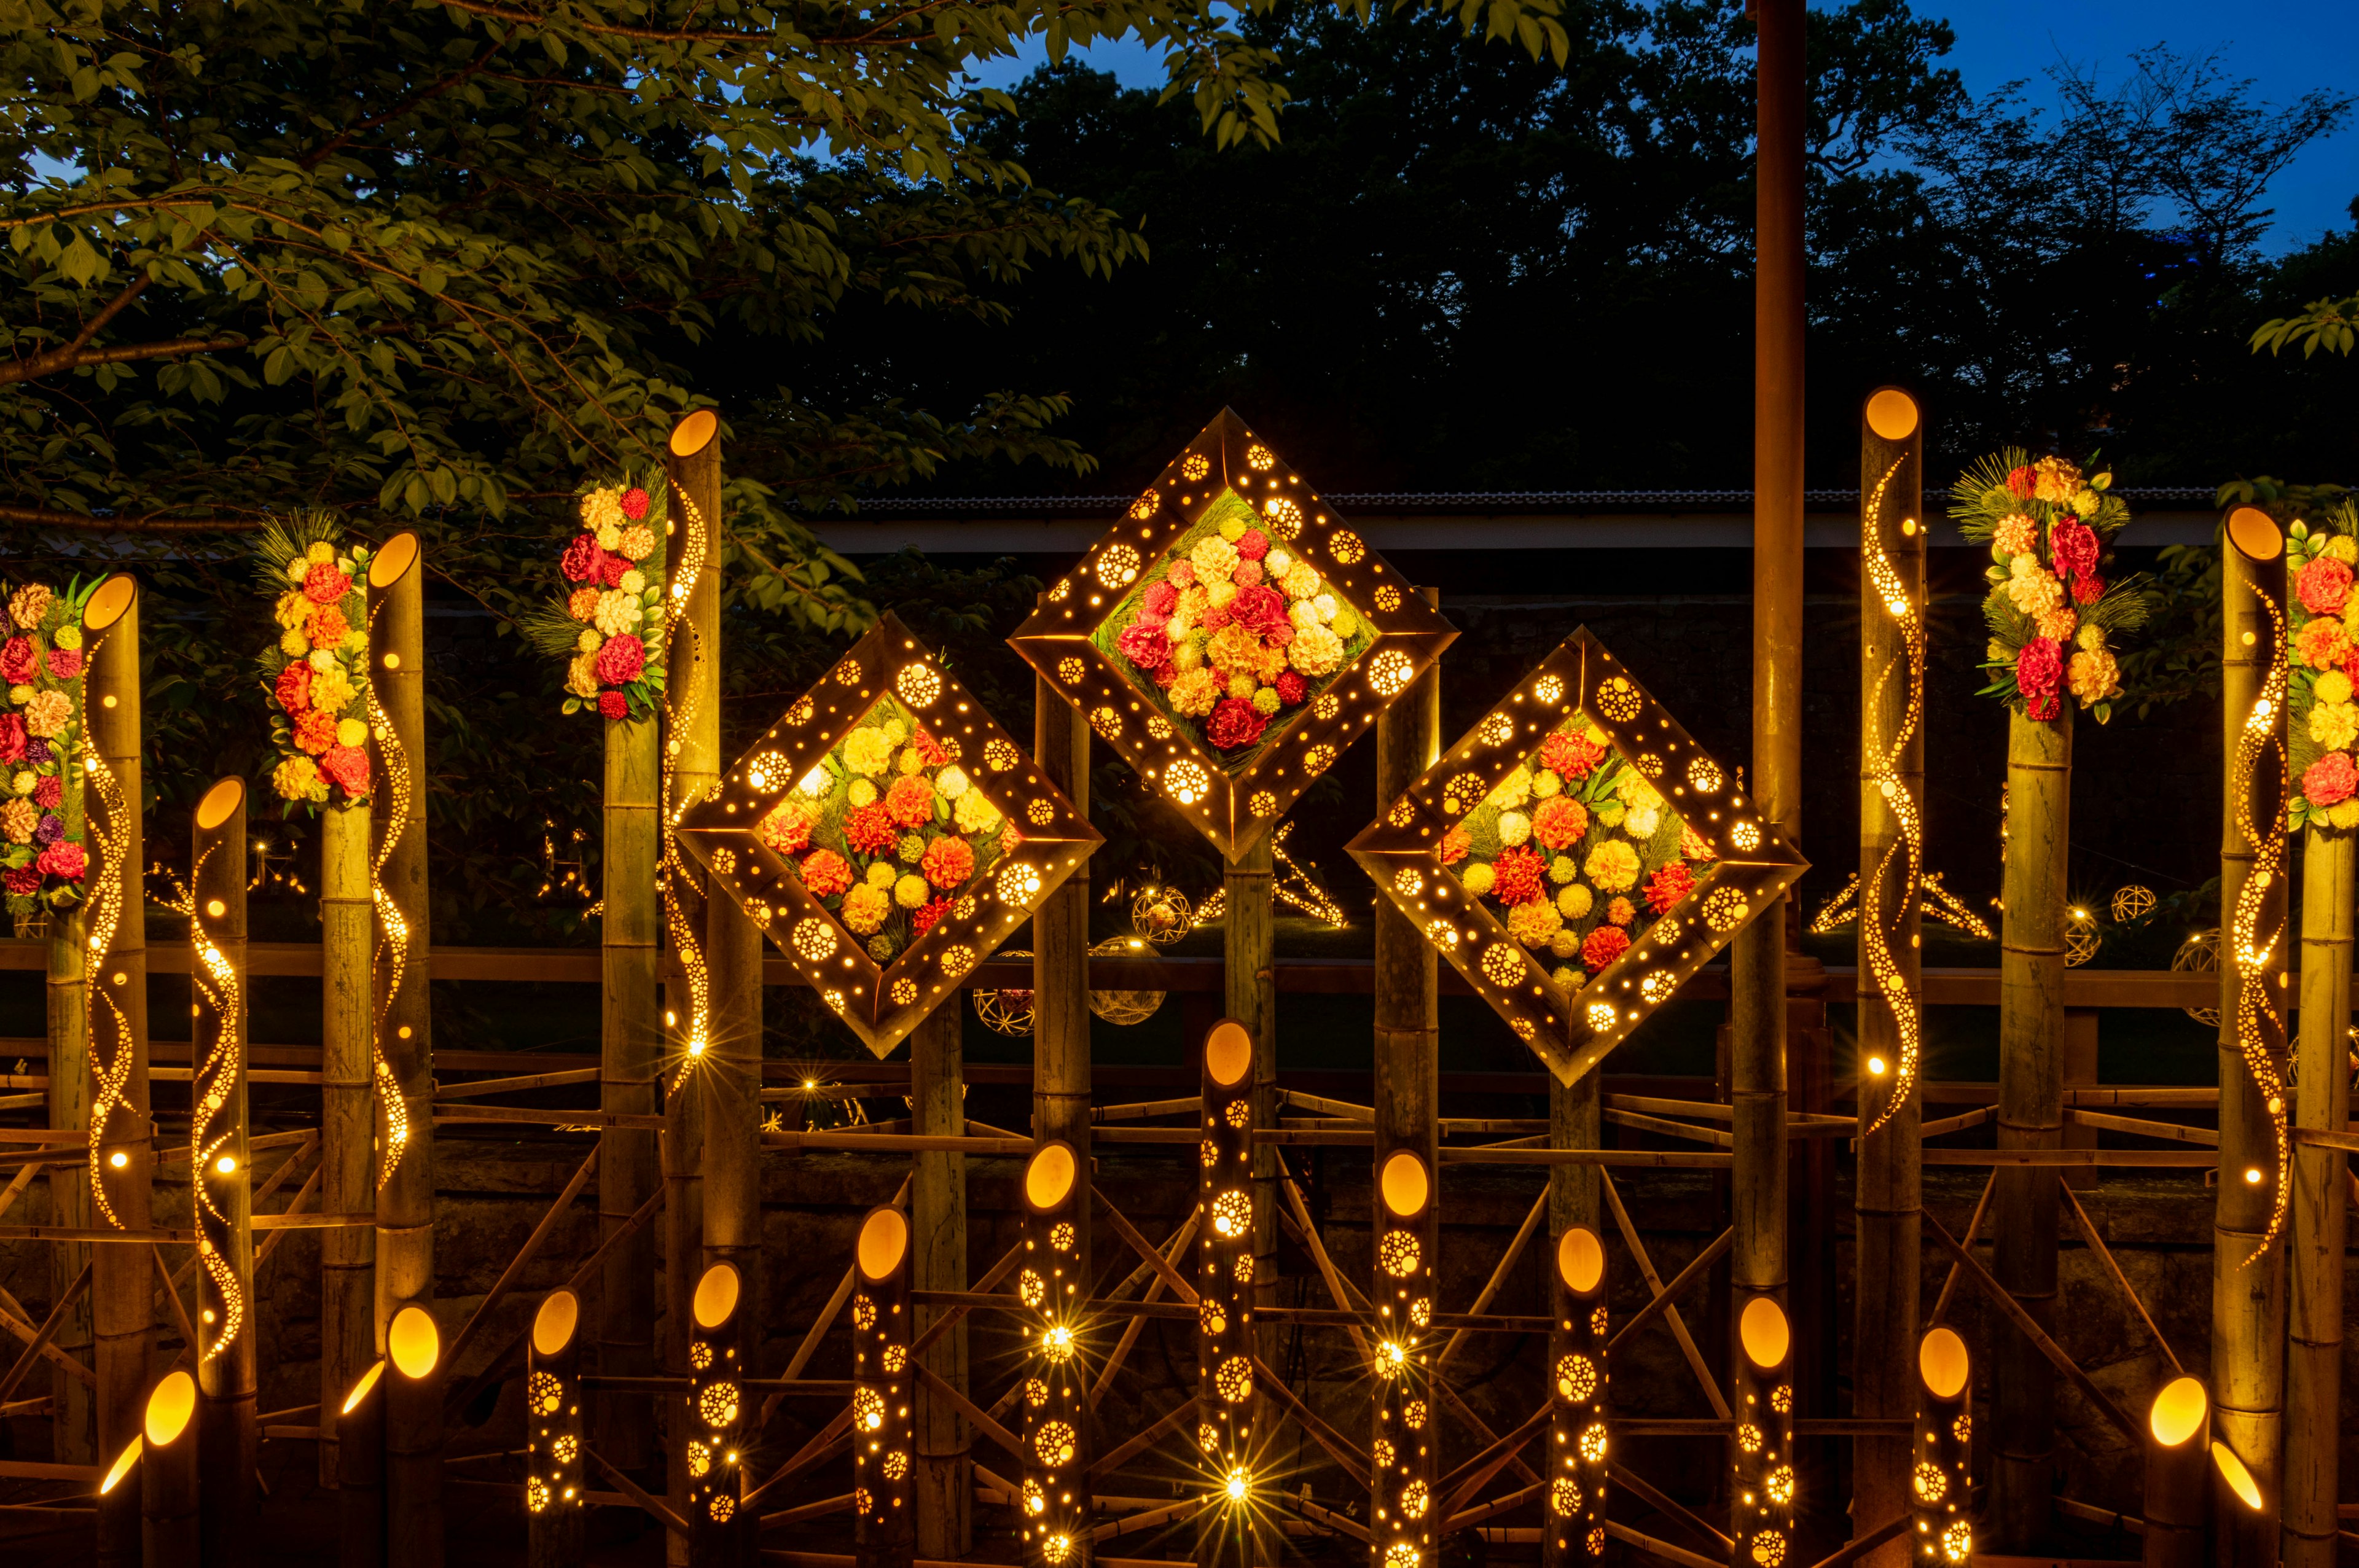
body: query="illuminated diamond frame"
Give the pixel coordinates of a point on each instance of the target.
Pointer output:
(1557, 1024)
(723, 832)
(1234, 810)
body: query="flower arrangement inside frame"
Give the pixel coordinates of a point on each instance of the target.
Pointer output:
(1576, 851)
(2321, 706)
(607, 624)
(316, 675)
(1231, 630)
(889, 832)
(2053, 606)
(42, 858)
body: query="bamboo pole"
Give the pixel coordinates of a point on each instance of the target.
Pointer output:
(2248, 1293)
(692, 461)
(1577, 1465)
(2177, 1441)
(555, 1507)
(1758, 1260)
(1249, 983)
(1406, 1500)
(228, 1440)
(167, 1495)
(347, 1115)
(943, 1449)
(1226, 1409)
(2030, 1116)
(122, 1299)
(884, 1487)
(630, 1063)
(1940, 1496)
(2320, 1198)
(73, 1431)
(1888, 1196)
(404, 1193)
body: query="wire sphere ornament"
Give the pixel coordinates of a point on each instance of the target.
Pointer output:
(1161, 914)
(2200, 955)
(2132, 902)
(2081, 937)
(1007, 1011)
(1122, 1008)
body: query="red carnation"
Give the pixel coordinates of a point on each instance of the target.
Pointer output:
(635, 503)
(12, 738)
(1144, 645)
(1561, 822)
(2330, 779)
(1247, 574)
(2088, 590)
(294, 689)
(2039, 670)
(1259, 610)
(930, 750)
(65, 860)
(347, 765)
(826, 873)
(1252, 544)
(1603, 946)
(620, 660)
(2022, 484)
(65, 663)
(325, 584)
(1236, 722)
(583, 560)
(948, 861)
(19, 661)
(614, 705)
(611, 569)
(50, 793)
(315, 731)
(1668, 886)
(1517, 875)
(1160, 599)
(787, 829)
(1219, 615)
(1571, 756)
(2324, 586)
(2074, 546)
(1181, 574)
(925, 918)
(868, 829)
(1292, 687)
(910, 802)
(24, 878)
(1455, 843)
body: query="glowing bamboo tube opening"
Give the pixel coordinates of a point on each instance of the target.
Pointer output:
(412, 1342)
(1228, 1052)
(121, 1465)
(883, 1243)
(1580, 1260)
(1943, 1362)
(1764, 1333)
(716, 1296)
(170, 1408)
(2178, 1412)
(218, 803)
(553, 1324)
(361, 1389)
(392, 562)
(2256, 534)
(694, 433)
(1892, 414)
(2240, 1480)
(115, 596)
(1048, 1179)
(1406, 1186)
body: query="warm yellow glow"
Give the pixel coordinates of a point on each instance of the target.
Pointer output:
(218, 803)
(2240, 1480)
(170, 1408)
(1406, 1186)
(694, 433)
(226, 1164)
(121, 1467)
(413, 1343)
(106, 606)
(716, 1296)
(360, 1389)
(1580, 1260)
(118, 1159)
(1763, 1329)
(2253, 1175)
(1048, 1179)
(553, 1324)
(1942, 1362)
(1875, 1067)
(2178, 1412)
(1239, 1486)
(1892, 414)
(883, 1242)
(1391, 1356)
(2255, 534)
(1228, 1052)
(392, 562)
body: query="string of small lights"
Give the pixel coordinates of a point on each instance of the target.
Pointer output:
(1225, 1405)
(111, 1060)
(1935, 902)
(1056, 1500)
(884, 1494)
(220, 1034)
(2256, 954)
(1938, 1477)
(393, 937)
(1880, 929)
(1578, 1420)
(674, 878)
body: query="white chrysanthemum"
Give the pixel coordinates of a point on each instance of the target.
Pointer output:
(1514, 829)
(951, 781)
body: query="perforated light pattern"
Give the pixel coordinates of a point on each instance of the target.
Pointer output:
(1578, 1388)
(1940, 1533)
(220, 1033)
(1056, 1507)
(1761, 1465)
(1225, 1241)
(1232, 797)
(1403, 1519)
(1044, 842)
(1888, 895)
(1743, 864)
(2256, 938)
(714, 1422)
(885, 1528)
(555, 1494)
(107, 1032)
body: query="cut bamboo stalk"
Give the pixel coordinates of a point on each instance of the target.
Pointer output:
(555, 1496)
(1888, 1192)
(1939, 1497)
(1226, 1410)
(359, 1427)
(2248, 1292)
(1575, 1122)
(167, 1490)
(347, 1116)
(944, 1448)
(2177, 1441)
(1249, 983)
(2030, 1117)
(228, 1438)
(1577, 1465)
(2319, 1197)
(122, 1304)
(630, 1064)
(884, 1480)
(73, 1430)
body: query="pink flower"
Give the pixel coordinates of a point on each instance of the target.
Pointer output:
(1259, 610)
(1160, 599)
(2324, 586)
(2330, 779)
(614, 705)
(323, 584)
(22, 879)
(1292, 687)
(2074, 546)
(294, 689)
(620, 661)
(635, 503)
(21, 661)
(65, 663)
(347, 765)
(1252, 544)
(12, 738)
(583, 561)
(2088, 590)
(62, 859)
(1144, 645)
(2039, 670)
(1236, 722)
(611, 569)
(50, 793)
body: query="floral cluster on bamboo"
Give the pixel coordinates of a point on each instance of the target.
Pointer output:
(42, 663)
(2322, 629)
(317, 673)
(607, 624)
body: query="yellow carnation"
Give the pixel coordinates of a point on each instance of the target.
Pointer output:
(1613, 866)
(292, 609)
(294, 778)
(332, 688)
(2334, 725)
(1534, 922)
(867, 751)
(2332, 687)
(581, 676)
(866, 907)
(911, 892)
(974, 813)
(861, 794)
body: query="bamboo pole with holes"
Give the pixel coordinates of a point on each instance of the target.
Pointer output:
(405, 1196)
(1250, 996)
(122, 1295)
(944, 1447)
(229, 1438)
(630, 1063)
(1888, 1196)
(2320, 1198)
(73, 1433)
(347, 1113)
(692, 463)
(2248, 1294)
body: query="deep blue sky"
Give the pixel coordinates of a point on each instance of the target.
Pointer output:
(2289, 47)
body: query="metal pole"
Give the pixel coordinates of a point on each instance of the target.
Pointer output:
(228, 1441)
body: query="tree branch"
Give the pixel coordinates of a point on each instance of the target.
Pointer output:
(74, 355)
(38, 517)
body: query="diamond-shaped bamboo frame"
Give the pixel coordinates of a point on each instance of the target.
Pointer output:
(883, 1002)
(1232, 810)
(1572, 1032)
